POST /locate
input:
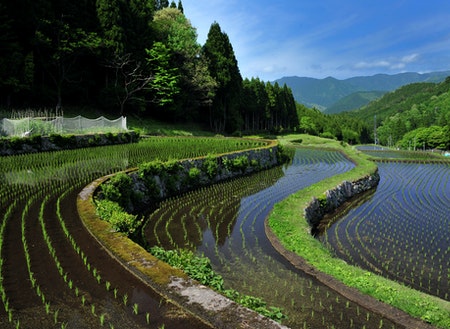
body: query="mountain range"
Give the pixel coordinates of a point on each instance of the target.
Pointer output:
(331, 95)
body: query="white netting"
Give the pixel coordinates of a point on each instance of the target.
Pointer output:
(60, 125)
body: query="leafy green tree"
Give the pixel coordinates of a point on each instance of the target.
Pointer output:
(427, 138)
(165, 78)
(307, 125)
(224, 113)
(196, 84)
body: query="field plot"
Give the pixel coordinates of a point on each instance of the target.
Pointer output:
(403, 231)
(52, 273)
(225, 222)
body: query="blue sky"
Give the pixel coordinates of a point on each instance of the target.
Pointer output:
(320, 38)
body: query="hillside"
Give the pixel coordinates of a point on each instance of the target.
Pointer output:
(354, 101)
(409, 110)
(323, 93)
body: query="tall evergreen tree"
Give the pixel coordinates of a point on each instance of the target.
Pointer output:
(64, 47)
(224, 113)
(138, 28)
(110, 17)
(180, 6)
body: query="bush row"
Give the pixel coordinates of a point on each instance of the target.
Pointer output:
(55, 142)
(200, 269)
(156, 180)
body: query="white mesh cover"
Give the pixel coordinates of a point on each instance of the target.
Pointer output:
(60, 125)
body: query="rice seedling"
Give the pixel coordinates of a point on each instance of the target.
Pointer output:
(102, 319)
(55, 316)
(135, 308)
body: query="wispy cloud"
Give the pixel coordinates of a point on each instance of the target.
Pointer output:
(272, 39)
(391, 63)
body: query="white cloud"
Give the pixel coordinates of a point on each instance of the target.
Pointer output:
(410, 58)
(393, 63)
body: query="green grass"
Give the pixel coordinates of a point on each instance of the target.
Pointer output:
(158, 128)
(288, 223)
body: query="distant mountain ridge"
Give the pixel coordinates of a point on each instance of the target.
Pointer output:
(324, 93)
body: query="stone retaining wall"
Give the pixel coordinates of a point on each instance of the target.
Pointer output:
(176, 178)
(332, 199)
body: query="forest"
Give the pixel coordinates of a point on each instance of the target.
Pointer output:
(141, 57)
(415, 116)
(124, 57)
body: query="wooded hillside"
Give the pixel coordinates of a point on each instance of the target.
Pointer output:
(415, 116)
(138, 56)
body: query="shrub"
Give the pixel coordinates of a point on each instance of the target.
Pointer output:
(194, 175)
(241, 163)
(152, 168)
(118, 189)
(210, 166)
(117, 217)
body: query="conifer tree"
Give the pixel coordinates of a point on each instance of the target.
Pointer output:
(109, 16)
(224, 113)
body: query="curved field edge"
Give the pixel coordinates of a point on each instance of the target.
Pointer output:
(171, 283)
(291, 232)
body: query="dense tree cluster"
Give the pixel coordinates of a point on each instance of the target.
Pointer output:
(338, 126)
(415, 116)
(123, 56)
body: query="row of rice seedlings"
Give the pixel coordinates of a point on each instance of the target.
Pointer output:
(406, 239)
(217, 203)
(90, 268)
(4, 296)
(34, 284)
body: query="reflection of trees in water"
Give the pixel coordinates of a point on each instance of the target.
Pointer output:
(187, 220)
(225, 222)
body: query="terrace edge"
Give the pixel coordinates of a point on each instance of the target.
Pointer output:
(313, 212)
(172, 284)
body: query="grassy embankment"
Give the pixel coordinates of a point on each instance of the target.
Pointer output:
(287, 221)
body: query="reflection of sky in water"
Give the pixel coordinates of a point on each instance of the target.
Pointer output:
(408, 214)
(230, 219)
(308, 167)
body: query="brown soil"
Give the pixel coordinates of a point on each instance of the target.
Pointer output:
(62, 301)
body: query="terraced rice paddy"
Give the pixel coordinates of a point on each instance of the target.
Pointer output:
(53, 274)
(225, 222)
(402, 232)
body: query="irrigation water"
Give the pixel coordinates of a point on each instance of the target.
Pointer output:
(402, 232)
(225, 222)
